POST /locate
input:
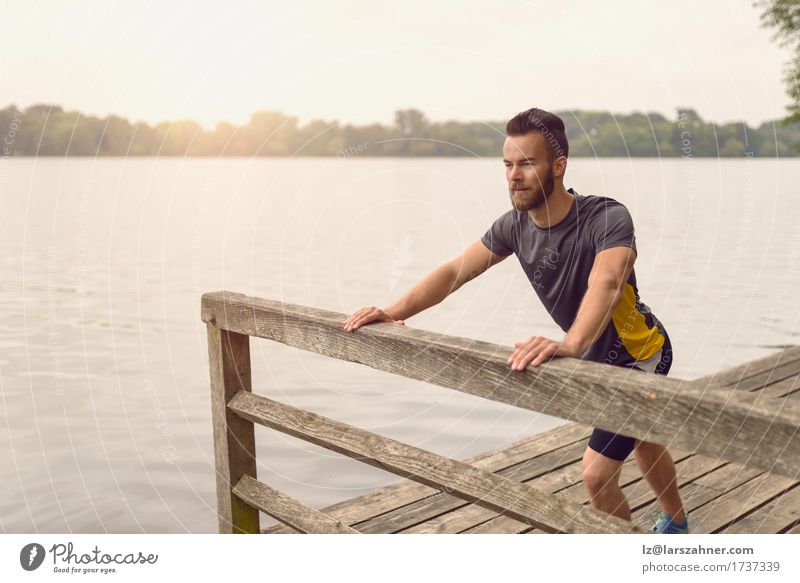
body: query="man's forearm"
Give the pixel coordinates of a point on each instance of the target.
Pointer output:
(593, 316)
(431, 290)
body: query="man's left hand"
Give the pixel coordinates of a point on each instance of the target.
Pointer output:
(536, 350)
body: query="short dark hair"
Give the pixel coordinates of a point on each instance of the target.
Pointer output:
(549, 124)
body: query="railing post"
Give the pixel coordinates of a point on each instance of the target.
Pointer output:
(234, 437)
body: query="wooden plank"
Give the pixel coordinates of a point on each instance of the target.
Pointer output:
(778, 515)
(387, 498)
(695, 416)
(782, 388)
(638, 494)
(498, 525)
(422, 512)
(728, 477)
(689, 470)
(288, 510)
(715, 516)
(468, 516)
(460, 479)
(633, 486)
(794, 530)
(701, 491)
(641, 498)
(782, 372)
(736, 374)
(234, 438)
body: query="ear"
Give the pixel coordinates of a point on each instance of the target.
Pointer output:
(559, 166)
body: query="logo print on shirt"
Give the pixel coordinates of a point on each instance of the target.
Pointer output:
(548, 261)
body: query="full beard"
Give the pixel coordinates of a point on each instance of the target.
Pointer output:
(535, 197)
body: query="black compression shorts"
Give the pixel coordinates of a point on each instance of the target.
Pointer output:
(614, 445)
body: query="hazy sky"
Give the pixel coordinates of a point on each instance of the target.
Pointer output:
(358, 61)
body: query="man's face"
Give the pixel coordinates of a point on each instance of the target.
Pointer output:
(528, 171)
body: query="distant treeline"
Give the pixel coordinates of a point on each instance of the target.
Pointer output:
(44, 130)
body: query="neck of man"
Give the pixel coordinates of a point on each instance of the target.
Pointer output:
(554, 209)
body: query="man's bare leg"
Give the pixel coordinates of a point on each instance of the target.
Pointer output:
(658, 469)
(601, 478)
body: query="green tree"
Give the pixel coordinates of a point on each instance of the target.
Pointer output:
(48, 130)
(178, 138)
(410, 125)
(784, 16)
(271, 133)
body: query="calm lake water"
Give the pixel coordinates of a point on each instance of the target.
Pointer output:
(104, 367)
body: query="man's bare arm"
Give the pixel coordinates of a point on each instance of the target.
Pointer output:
(610, 271)
(433, 288)
(444, 280)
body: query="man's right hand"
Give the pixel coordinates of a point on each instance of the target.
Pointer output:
(367, 315)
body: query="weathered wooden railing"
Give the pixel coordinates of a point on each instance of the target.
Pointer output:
(696, 416)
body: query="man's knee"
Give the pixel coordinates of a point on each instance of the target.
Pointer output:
(647, 449)
(599, 472)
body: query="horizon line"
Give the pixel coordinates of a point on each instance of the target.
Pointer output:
(304, 120)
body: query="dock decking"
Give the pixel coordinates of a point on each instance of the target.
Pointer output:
(722, 497)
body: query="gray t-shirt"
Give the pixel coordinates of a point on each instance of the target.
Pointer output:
(558, 260)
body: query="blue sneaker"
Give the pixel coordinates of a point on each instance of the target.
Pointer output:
(665, 525)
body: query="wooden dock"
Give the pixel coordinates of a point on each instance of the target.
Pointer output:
(748, 413)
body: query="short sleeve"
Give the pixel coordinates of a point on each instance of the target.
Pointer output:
(612, 226)
(499, 239)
